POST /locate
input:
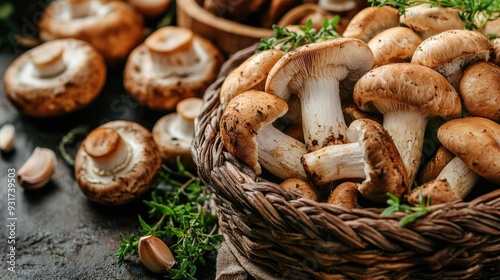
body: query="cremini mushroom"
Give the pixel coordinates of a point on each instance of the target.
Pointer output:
(322, 75)
(55, 78)
(474, 142)
(150, 8)
(436, 191)
(117, 162)
(38, 169)
(395, 44)
(407, 95)
(113, 28)
(345, 194)
(302, 186)
(449, 52)
(370, 21)
(480, 90)
(428, 21)
(370, 155)
(174, 133)
(433, 167)
(172, 64)
(247, 132)
(7, 137)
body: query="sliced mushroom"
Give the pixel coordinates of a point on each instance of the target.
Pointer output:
(174, 133)
(172, 64)
(345, 194)
(55, 78)
(117, 162)
(370, 21)
(38, 169)
(395, 44)
(449, 52)
(247, 132)
(150, 8)
(113, 28)
(303, 187)
(480, 90)
(408, 95)
(436, 191)
(432, 168)
(370, 155)
(322, 74)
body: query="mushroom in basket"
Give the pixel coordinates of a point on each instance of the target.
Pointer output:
(117, 162)
(55, 78)
(370, 21)
(172, 64)
(113, 28)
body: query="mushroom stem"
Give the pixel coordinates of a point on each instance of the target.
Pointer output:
(79, 8)
(407, 129)
(182, 127)
(322, 118)
(110, 153)
(47, 61)
(460, 177)
(280, 154)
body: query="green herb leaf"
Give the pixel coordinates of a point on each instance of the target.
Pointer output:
(413, 212)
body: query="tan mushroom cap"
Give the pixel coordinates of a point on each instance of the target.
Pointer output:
(345, 194)
(395, 44)
(128, 182)
(150, 8)
(495, 51)
(113, 28)
(438, 190)
(370, 21)
(428, 21)
(492, 27)
(305, 188)
(74, 78)
(480, 90)
(475, 141)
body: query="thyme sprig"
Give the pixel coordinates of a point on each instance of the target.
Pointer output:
(413, 212)
(475, 13)
(69, 139)
(288, 40)
(179, 214)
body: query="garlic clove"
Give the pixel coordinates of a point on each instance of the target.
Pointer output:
(7, 135)
(155, 254)
(38, 169)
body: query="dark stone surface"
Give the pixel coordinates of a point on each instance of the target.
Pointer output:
(59, 234)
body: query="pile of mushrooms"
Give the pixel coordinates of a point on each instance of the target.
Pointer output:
(405, 70)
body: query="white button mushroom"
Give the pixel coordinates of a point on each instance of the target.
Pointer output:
(116, 163)
(172, 64)
(370, 21)
(55, 78)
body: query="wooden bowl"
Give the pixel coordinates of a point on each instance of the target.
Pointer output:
(228, 35)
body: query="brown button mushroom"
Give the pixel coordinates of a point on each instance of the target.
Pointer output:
(116, 163)
(370, 155)
(395, 44)
(322, 75)
(113, 28)
(345, 194)
(432, 168)
(303, 187)
(480, 90)
(475, 142)
(150, 8)
(38, 169)
(370, 21)
(247, 132)
(428, 21)
(55, 78)
(495, 51)
(174, 133)
(439, 191)
(449, 52)
(172, 64)
(408, 95)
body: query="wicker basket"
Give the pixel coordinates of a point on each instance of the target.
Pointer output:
(301, 239)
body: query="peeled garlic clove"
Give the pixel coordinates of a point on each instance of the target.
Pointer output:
(7, 135)
(155, 254)
(38, 169)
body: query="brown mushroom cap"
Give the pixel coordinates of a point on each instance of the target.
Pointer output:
(150, 8)
(163, 91)
(345, 194)
(132, 179)
(395, 44)
(301, 186)
(71, 88)
(113, 28)
(239, 11)
(495, 51)
(475, 141)
(370, 21)
(432, 168)
(438, 190)
(480, 90)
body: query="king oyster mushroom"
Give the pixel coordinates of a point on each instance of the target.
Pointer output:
(172, 64)
(117, 162)
(174, 133)
(55, 78)
(113, 28)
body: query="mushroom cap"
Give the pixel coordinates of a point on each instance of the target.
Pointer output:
(475, 141)
(492, 27)
(242, 119)
(305, 188)
(74, 88)
(150, 8)
(428, 21)
(251, 74)
(345, 194)
(432, 169)
(384, 167)
(114, 29)
(390, 86)
(163, 93)
(320, 60)
(480, 90)
(130, 182)
(447, 46)
(439, 191)
(395, 44)
(495, 51)
(370, 21)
